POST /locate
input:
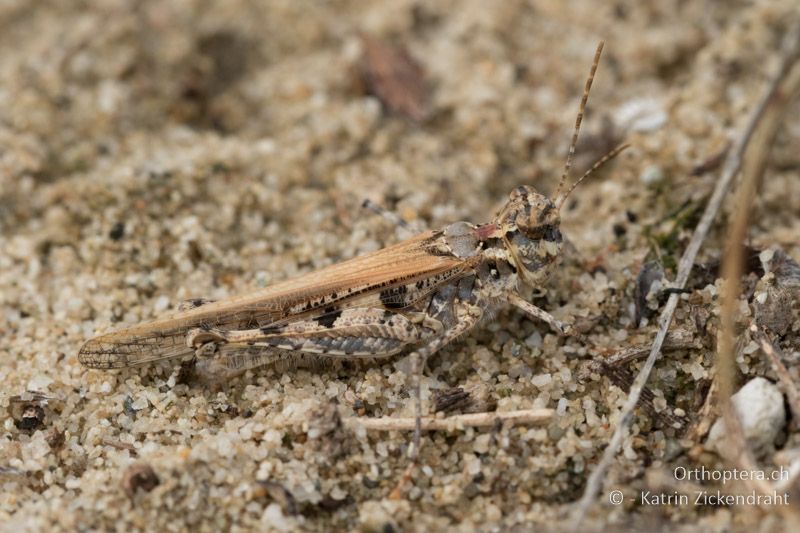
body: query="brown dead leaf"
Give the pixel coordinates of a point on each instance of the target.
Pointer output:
(395, 78)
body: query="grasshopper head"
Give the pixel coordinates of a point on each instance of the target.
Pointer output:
(529, 223)
(529, 227)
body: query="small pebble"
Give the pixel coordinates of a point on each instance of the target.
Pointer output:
(761, 410)
(542, 380)
(642, 114)
(651, 175)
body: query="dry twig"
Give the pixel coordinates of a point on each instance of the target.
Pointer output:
(769, 109)
(119, 445)
(785, 85)
(675, 340)
(452, 423)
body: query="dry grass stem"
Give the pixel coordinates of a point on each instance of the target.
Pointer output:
(754, 156)
(453, 423)
(768, 112)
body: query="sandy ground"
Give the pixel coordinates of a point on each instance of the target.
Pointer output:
(155, 153)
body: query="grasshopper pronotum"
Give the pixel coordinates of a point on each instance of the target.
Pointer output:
(415, 296)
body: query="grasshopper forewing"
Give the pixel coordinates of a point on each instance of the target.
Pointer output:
(338, 302)
(415, 296)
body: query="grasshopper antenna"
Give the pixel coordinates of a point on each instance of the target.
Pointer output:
(578, 120)
(600, 162)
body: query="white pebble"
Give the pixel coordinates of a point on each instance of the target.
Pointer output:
(272, 438)
(492, 513)
(338, 493)
(752, 347)
(641, 114)
(39, 383)
(659, 404)
(561, 409)
(274, 519)
(534, 340)
(652, 174)
(760, 407)
(698, 371)
(140, 403)
(162, 303)
(473, 465)
(482, 443)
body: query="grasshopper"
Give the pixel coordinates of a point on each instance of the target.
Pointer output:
(416, 296)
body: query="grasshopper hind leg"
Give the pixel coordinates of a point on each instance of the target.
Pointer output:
(217, 359)
(355, 334)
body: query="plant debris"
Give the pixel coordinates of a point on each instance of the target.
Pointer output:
(139, 476)
(393, 76)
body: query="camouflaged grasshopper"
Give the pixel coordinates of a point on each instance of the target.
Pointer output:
(415, 296)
